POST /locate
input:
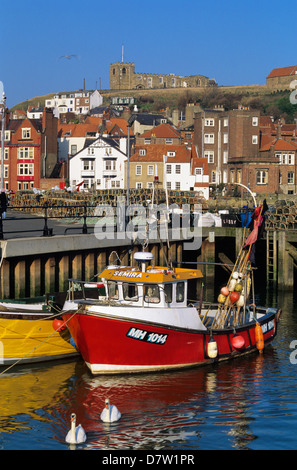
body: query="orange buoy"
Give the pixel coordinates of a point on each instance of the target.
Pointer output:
(259, 337)
(58, 325)
(225, 291)
(238, 341)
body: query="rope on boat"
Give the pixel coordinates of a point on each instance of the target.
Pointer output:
(42, 342)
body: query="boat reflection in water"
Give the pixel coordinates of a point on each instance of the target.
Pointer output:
(173, 410)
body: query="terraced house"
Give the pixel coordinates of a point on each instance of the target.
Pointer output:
(30, 151)
(176, 167)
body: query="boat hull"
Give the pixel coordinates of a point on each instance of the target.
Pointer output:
(111, 344)
(31, 339)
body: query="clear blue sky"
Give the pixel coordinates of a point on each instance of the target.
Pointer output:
(235, 42)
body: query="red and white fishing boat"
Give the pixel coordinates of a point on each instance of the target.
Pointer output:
(145, 323)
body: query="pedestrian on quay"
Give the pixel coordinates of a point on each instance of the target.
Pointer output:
(3, 203)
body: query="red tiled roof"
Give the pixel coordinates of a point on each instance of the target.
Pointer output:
(280, 145)
(283, 71)
(155, 153)
(76, 130)
(162, 131)
(120, 122)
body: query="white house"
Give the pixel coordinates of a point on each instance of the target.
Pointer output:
(186, 172)
(73, 137)
(77, 102)
(100, 165)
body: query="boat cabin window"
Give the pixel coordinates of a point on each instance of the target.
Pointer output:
(130, 291)
(113, 290)
(168, 293)
(151, 293)
(180, 291)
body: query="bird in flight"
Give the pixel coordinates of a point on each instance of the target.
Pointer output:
(68, 56)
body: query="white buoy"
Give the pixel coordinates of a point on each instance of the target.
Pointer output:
(212, 348)
(110, 414)
(76, 434)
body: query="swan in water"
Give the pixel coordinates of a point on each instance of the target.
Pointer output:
(76, 434)
(110, 413)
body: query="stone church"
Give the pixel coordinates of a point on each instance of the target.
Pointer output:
(123, 77)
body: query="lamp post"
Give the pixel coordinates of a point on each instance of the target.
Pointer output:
(2, 139)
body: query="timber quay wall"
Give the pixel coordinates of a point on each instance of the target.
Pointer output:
(35, 266)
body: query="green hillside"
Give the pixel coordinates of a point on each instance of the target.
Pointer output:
(273, 103)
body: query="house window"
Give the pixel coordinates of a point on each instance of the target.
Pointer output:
(239, 176)
(213, 176)
(6, 153)
(88, 165)
(255, 121)
(168, 169)
(232, 176)
(225, 138)
(177, 185)
(170, 154)
(178, 169)
(147, 141)
(149, 185)
(209, 122)
(209, 138)
(138, 185)
(291, 159)
(150, 170)
(254, 139)
(198, 171)
(138, 170)
(142, 152)
(26, 152)
(73, 149)
(290, 177)
(26, 133)
(226, 122)
(225, 156)
(209, 156)
(262, 177)
(6, 171)
(168, 141)
(25, 169)
(110, 165)
(168, 184)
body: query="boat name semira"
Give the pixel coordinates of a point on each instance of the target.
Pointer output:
(127, 274)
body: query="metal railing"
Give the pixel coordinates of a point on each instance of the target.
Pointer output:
(46, 212)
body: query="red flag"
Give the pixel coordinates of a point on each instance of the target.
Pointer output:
(79, 185)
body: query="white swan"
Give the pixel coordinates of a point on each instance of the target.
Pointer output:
(110, 413)
(77, 434)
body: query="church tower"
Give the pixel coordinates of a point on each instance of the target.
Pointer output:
(122, 76)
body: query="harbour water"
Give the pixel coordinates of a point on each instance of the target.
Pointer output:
(248, 403)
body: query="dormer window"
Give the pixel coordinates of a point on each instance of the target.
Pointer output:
(142, 152)
(170, 154)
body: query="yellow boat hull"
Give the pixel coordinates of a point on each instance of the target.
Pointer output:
(32, 340)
